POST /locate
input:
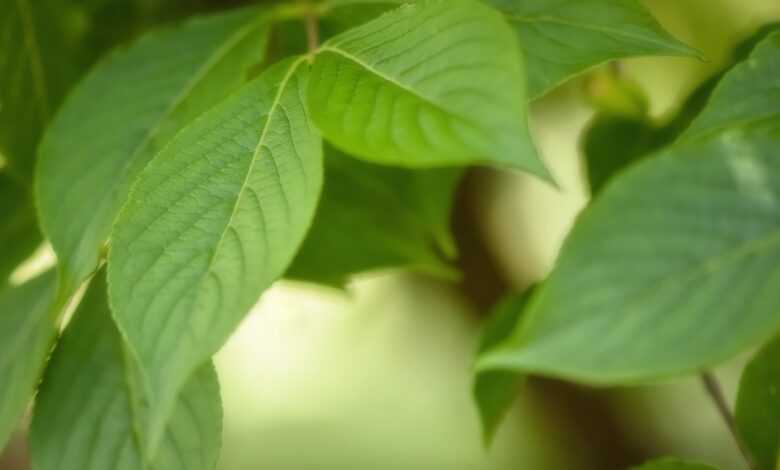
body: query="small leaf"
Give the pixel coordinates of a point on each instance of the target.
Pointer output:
(430, 84)
(372, 217)
(123, 113)
(758, 407)
(213, 220)
(750, 92)
(638, 290)
(27, 330)
(564, 38)
(495, 391)
(89, 409)
(672, 464)
(19, 234)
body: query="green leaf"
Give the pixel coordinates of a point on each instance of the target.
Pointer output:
(213, 220)
(373, 217)
(564, 38)
(27, 330)
(89, 407)
(748, 93)
(19, 234)
(757, 413)
(496, 390)
(123, 113)
(638, 290)
(434, 83)
(672, 464)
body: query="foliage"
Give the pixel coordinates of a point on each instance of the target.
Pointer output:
(188, 170)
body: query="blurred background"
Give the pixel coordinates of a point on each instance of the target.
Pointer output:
(379, 375)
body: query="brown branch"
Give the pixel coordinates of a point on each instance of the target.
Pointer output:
(714, 390)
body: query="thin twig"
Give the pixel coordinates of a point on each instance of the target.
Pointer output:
(312, 30)
(714, 390)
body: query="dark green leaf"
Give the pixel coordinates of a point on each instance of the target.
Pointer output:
(564, 38)
(673, 464)
(19, 234)
(496, 390)
(123, 113)
(213, 220)
(637, 292)
(89, 411)
(27, 330)
(434, 83)
(373, 217)
(758, 407)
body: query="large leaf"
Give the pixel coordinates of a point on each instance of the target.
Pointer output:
(638, 290)
(89, 407)
(214, 219)
(496, 390)
(27, 330)
(673, 464)
(750, 92)
(19, 234)
(434, 83)
(563, 38)
(124, 112)
(758, 407)
(373, 217)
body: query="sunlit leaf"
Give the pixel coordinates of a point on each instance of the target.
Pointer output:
(434, 83)
(124, 112)
(213, 220)
(89, 408)
(638, 290)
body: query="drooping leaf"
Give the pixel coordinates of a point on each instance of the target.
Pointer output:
(749, 92)
(638, 290)
(434, 83)
(757, 413)
(90, 408)
(373, 217)
(496, 390)
(19, 234)
(27, 330)
(563, 38)
(123, 113)
(213, 220)
(673, 464)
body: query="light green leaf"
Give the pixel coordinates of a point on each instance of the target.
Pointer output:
(496, 390)
(373, 217)
(19, 234)
(27, 330)
(750, 92)
(757, 413)
(673, 464)
(563, 38)
(638, 290)
(434, 83)
(123, 113)
(213, 220)
(89, 407)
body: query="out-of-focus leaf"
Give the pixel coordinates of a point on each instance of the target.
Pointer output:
(495, 391)
(637, 292)
(561, 39)
(124, 112)
(90, 407)
(758, 407)
(434, 83)
(213, 220)
(19, 234)
(27, 329)
(748, 93)
(673, 464)
(373, 217)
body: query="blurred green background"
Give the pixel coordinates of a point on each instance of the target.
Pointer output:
(379, 376)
